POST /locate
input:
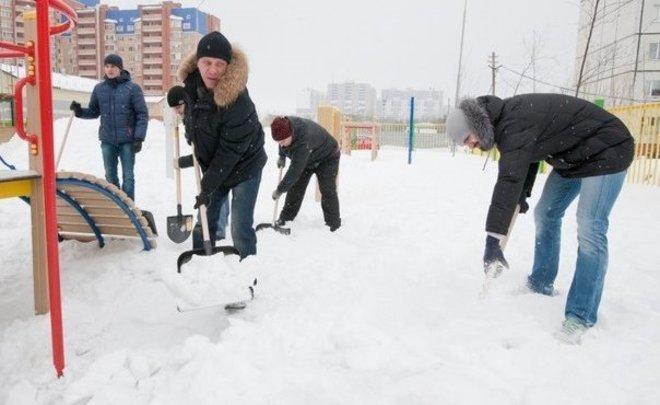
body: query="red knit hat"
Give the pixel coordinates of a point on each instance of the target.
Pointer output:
(281, 128)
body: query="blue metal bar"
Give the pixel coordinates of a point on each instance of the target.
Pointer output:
(90, 221)
(412, 129)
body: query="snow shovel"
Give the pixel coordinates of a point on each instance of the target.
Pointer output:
(494, 269)
(208, 249)
(277, 228)
(179, 226)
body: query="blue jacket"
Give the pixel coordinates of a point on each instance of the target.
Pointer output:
(122, 108)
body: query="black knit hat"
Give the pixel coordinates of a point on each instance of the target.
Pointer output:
(114, 59)
(176, 96)
(214, 45)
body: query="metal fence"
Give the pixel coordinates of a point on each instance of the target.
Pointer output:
(425, 136)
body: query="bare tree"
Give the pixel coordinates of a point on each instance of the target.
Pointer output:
(592, 23)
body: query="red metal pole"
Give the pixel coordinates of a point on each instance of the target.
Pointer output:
(47, 154)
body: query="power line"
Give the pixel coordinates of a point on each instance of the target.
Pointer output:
(569, 89)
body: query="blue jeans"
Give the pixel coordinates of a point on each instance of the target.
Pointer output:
(112, 154)
(244, 198)
(597, 197)
(223, 220)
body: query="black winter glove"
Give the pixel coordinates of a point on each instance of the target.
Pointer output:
(185, 161)
(201, 199)
(494, 261)
(76, 108)
(137, 146)
(276, 194)
(281, 162)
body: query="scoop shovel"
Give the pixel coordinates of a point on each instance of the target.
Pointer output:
(179, 226)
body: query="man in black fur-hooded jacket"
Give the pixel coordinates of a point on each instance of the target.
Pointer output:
(312, 150)
(222, 123)
(589, 150)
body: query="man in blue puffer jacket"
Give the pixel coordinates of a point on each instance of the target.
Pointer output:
(124, 118)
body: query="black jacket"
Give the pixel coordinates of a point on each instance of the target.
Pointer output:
(223, 125)
(576, 137)
(311, 145)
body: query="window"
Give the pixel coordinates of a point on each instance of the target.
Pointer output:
(654, 50)
(653, 88)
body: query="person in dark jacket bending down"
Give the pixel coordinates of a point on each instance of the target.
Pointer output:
(589, 150)
(222, 123)
(124, 119)
(312, 150)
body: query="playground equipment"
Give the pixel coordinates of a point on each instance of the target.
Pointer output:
(39, 181)
(361, 136)
(90, 208)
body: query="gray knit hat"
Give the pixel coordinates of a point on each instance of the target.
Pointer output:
(457, 127)
(470, 118)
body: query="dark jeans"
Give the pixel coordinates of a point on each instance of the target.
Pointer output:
(112, 154)
(326, 173)
(244, 198)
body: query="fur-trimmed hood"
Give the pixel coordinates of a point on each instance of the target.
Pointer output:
(232, 83)
(479, 122)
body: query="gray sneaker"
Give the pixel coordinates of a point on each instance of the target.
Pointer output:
(571, 331)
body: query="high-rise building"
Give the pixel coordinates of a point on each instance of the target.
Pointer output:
(353, 99)
(152, 41)
(622, 64)
(394, 105)
(308, 102)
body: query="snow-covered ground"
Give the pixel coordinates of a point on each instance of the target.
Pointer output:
(383, 311)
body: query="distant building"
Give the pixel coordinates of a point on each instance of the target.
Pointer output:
(308, 102)
(623, 62)
(357, 100)
(394, 105)
(151, 39)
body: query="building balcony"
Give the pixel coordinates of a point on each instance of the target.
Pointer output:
(86, 52)
(152, 72)
(152, 28)
(152, 16)
(86, 31)
(152, 39)
(155, 83)
(152, 50)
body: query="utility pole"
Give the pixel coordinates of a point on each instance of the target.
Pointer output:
(493, 68)
(460, 57)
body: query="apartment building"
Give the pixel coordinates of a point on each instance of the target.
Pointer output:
(353, 99)
(152, 41)
(622, 64)
(394, 105)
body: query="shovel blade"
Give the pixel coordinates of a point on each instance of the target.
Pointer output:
(282, 230)
(179, 227)
(187, 256)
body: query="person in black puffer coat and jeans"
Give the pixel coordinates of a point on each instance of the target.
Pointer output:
(589, 150)
(312, 150)
(222, 123)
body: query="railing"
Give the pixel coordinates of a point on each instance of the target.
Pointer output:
(643, 121)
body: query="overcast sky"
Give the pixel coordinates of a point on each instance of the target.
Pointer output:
(293, 45)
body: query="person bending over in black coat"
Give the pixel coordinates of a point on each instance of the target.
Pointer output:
(589, 150)
(312, 150)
